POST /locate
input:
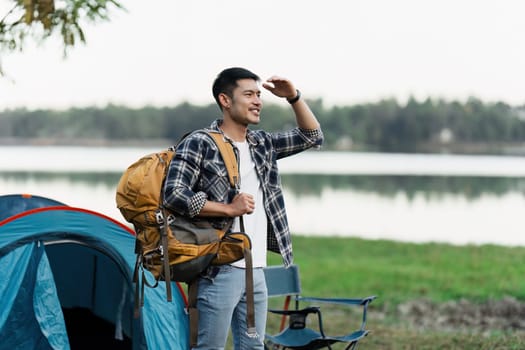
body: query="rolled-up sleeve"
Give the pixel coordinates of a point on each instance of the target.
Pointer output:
(196, 174)
(178, 194)
(314, 136)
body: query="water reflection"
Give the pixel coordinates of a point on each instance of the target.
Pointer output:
(413, 208)
(108, 180)
(433, 187)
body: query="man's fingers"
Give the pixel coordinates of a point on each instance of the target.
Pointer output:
(246, 201)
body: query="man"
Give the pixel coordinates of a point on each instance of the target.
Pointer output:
(197, 186)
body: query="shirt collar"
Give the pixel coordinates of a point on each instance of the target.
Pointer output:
(252, 137)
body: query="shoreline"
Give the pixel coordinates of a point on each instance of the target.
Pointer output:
(480, 148)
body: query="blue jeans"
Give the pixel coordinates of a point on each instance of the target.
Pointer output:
(222, 303)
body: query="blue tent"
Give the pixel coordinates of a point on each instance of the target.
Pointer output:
(66, 283)
(12, 204)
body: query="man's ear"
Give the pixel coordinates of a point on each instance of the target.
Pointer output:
(224, 100)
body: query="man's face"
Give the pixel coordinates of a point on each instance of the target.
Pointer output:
(246, 104)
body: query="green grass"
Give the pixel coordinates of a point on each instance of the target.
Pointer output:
(400, 272)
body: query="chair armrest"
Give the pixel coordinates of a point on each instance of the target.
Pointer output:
(298, 317)
(305, 311)
(343, 301)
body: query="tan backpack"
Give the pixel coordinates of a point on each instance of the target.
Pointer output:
(171, 247)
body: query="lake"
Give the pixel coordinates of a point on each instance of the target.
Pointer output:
(406, 197)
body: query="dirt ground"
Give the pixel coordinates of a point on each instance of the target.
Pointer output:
(507, 314)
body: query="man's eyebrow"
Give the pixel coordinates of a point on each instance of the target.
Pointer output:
(256, 91)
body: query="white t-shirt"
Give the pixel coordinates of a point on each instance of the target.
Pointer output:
(256, 223)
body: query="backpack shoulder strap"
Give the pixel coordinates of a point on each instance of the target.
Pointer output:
(228, 155)
(230, 160)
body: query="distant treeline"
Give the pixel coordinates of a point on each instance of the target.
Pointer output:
(385, 126)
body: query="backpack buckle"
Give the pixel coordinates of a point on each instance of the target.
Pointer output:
(159, 217)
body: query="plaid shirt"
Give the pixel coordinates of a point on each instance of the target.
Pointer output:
(197, 173)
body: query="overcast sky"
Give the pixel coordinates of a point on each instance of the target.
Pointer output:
(163, 52)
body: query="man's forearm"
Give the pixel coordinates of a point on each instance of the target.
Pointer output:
(215, 209)
(304, 116)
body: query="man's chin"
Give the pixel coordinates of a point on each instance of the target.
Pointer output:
(255, 121)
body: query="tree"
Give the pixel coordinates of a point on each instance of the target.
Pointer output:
(41, 19)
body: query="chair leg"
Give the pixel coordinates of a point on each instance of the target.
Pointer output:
(286, 306)
(273, 347)
(352, 346)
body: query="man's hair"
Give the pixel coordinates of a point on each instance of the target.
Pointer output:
(226, 81)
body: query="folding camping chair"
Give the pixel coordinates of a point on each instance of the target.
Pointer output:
(285, 282)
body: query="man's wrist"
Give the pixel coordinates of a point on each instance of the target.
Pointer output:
(294, 99)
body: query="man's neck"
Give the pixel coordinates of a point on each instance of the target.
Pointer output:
(236, 132)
